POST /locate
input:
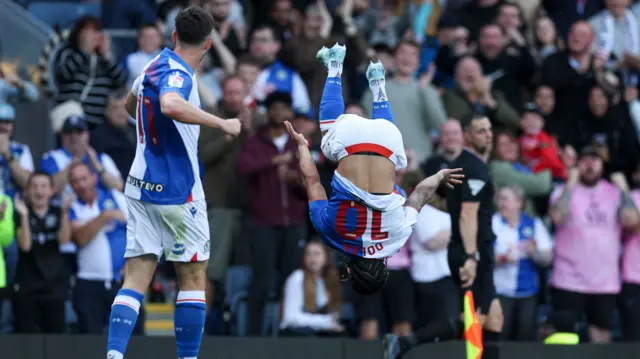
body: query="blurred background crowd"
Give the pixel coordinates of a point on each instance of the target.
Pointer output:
(557, 78)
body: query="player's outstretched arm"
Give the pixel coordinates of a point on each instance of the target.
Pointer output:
(176, 107)
(310, 175)
(425, 190)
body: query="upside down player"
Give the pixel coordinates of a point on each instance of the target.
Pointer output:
(364, 219)
(167, 210)
(470, 252)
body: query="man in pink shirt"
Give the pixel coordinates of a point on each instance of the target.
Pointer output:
(629, 300)
(590, 213)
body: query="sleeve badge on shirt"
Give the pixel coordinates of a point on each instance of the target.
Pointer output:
(175, 80)
(475, 186)
(109, 205)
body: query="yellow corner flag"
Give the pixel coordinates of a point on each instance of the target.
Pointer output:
(472, 328)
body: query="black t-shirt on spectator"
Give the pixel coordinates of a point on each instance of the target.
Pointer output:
(477, 187)
(40, 271)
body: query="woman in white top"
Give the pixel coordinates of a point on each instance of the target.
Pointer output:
(312, 298)
(522, 244)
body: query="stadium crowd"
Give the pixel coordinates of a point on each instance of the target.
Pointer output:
(557, 78)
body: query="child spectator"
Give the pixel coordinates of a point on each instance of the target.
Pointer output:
(539, 150)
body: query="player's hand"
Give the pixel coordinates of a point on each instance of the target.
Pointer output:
(336, 327)
(231, 126)
(299, 138)
(451, 176)
(114, 214)
(468, 272)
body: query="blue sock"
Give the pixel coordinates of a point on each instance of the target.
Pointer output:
(381, 107)
(331, 102)
(124, 314)
(189, 321)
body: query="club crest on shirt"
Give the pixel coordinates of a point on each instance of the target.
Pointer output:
(50, 221)
(207, 246)
(527, 232)
(281, 75)
(109, 205)
(175, 80)
(475, 186)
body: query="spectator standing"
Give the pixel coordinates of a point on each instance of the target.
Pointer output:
(617, 34)
(16, 163)
(510, 67)
(473, 93)
(451, 144)
(275, 76)
(116, 137)
(311, 300)
(571, 74)
(610, 130)
(278, 204)
(629, 299)
(75, 148)
(87, 71)
(539, 150)
(546, 40)
(226, 192)
(98, 224)
(545, 100)
(589, 214)
(231, 35)
(283, 18)
(300, 51)
(42, 277)
(149, 44)
(430, 270)
(522, 244)
(417, 106)
(507, 170)
(7, 232)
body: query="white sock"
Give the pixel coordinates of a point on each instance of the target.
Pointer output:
(112, 354)
(378, 90)
(335, 69)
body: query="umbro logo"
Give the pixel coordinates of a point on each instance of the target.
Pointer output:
(193, 211)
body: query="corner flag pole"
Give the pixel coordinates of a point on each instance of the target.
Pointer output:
(472, 328)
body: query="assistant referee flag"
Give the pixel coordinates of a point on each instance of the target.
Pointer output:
(472, 328)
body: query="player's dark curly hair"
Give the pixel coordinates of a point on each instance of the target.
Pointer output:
(367, 275)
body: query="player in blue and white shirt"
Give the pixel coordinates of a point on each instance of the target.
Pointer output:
(167, 209)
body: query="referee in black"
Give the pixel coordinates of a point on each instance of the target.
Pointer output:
(470, 252)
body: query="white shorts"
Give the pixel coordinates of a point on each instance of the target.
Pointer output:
(180, 230)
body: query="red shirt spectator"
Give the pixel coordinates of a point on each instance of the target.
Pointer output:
(538, 149)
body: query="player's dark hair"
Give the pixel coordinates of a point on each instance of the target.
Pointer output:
(367, 275)
(194, 25)
(468, 119)
(39, 173)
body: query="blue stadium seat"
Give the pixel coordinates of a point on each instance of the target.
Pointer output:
(64, 13)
